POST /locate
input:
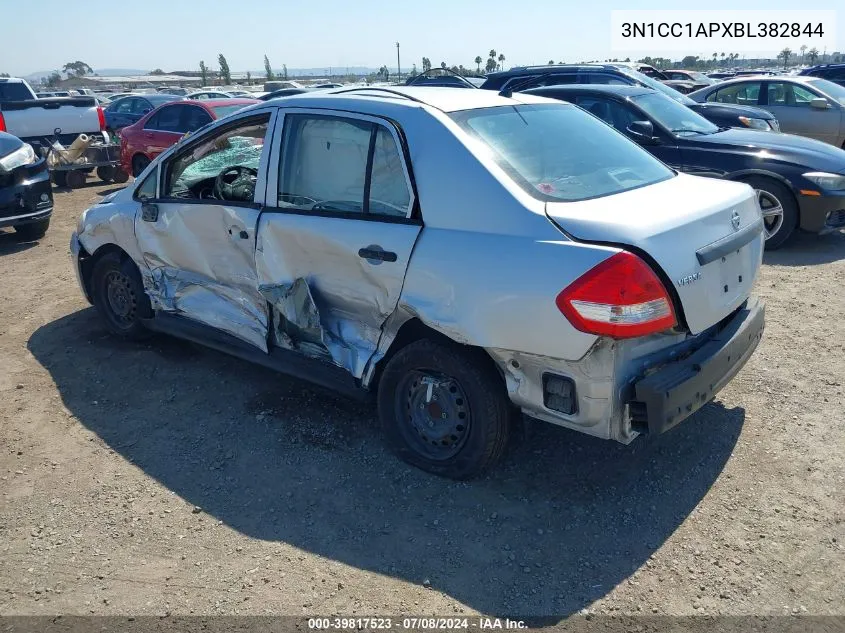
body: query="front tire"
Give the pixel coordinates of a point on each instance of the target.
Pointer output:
(780, 211)
(139, 164)
(33, 230)
(119, 296)
(444, 409)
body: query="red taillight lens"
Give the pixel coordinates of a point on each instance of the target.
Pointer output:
(101, 117)
(2, 123)
(621, 298)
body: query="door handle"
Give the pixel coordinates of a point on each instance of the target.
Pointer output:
(377, 253)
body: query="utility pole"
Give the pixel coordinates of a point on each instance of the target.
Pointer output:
(398, 65)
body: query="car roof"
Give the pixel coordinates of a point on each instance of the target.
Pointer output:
(224, 102)
(612, 89)
(440, 98)
(523, 70)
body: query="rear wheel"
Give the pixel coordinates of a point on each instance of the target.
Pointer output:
(60, 178)
(33, 230)
(780, 211)
(444, 409)
(139, 164)
(119, 296)
(119, 176)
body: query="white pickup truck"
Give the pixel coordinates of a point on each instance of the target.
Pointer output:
(36, 121)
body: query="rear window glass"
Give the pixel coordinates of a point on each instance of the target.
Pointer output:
(561, 153)
(221, 111)
(13, 91)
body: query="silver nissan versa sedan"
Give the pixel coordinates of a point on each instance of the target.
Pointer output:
(457, 255)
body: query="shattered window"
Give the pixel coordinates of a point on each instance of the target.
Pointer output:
(222, 167)
(324, 167)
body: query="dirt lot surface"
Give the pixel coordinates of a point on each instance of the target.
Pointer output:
(165, 478)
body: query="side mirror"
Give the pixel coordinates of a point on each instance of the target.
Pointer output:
(819, 103)
(643, 132)
(145, 111)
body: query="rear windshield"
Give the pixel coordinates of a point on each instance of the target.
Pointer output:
(13, 91)
(221, 111)
(558, 152)
(645, 80)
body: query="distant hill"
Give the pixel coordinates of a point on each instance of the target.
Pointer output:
(103, 72)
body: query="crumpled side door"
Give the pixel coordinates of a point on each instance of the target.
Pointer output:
(336, 234)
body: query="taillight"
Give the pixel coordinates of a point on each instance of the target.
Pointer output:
(620, 297)
(101, 117)
(2, 123)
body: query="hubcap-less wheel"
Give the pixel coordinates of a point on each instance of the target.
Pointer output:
(436, 413)
(772, 212)
(139, 164)
(121, 298)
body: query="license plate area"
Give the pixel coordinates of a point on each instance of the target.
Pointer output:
(733, 275)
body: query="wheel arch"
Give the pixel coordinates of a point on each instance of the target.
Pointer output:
(746, 174)
(87, 261)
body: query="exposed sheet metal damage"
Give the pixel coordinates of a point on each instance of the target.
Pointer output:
(296, 319)
(173, 290)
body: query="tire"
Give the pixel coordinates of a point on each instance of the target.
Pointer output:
(75, 179)
(139, 164)
(60, 178)
(463, 429)
(33, 230)
(771, 192)
(119, 296)
(120, 176)
(105, 173)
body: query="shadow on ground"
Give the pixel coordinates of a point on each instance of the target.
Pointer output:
(564, 520)
(808, 249)
(11, 242)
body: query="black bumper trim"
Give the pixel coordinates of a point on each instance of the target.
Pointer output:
(677, 390)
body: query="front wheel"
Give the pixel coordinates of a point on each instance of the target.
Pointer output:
(139, 164)
(779, 209)
(444, 409)
(119, 296)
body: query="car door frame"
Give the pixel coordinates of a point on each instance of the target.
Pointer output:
(832, 137)
(408, 227)
(253, 328)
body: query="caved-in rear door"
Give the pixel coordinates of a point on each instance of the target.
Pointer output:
(336, 235)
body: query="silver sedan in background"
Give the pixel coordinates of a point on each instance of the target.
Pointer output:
(458, 256)
(806, 106)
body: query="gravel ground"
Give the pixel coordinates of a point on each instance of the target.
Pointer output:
(165, 478)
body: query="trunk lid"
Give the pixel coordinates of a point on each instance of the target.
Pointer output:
(704, 234)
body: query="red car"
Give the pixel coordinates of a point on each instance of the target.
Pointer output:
(141, 142)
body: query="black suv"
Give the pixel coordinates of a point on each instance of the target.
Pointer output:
(525, 77)
(26, 196)
(831, 72)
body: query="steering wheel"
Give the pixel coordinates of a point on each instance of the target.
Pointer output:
(235, 183)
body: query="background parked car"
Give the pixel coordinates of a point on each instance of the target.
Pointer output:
(831, 72)
(129, 110)
(141, 142)
(724, 115)
(800, 182)
(807, 106)
(699, 79)
(284, 92)
(26, 195)
(204, 95)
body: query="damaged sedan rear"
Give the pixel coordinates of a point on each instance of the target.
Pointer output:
(457, 256)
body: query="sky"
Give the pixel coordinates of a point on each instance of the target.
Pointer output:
(177, 34)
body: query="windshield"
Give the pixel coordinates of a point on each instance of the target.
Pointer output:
(559, 152)
(221, 111)
(656, 85)
(675, 117)
(829, 88)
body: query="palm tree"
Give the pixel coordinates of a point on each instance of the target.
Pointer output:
(715, 55)
(478, 61)
(492, 53)
(551, 62)
(813, 55)
(501, 61)
(803, 48)
(784, 55)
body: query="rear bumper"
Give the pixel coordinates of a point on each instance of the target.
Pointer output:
(678, 389)
(26, 195)
(822, 214)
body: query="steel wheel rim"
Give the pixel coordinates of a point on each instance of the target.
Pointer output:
(434, 414)
(772, 210)
(121, 298)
